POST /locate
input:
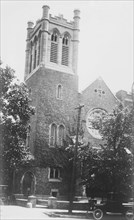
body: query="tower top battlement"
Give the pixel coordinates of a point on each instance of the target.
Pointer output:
(52, 42)
(57, 19)
(61, 20)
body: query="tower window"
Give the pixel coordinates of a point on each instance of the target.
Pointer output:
(65, 41)
(35, 53)
(31, 57)
(54, 48)
(54, 37)
(61, 134)
(53, 134)
(59, 92)
(30, 64)
(39, 40)
(65, 50)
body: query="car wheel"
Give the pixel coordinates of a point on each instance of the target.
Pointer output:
(129, 215)
(98, 214)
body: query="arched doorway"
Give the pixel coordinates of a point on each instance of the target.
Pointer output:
(28, 183)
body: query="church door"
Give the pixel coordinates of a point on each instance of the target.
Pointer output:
(28, 184)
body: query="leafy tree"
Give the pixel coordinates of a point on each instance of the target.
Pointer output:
(110, 167)
(15, 112)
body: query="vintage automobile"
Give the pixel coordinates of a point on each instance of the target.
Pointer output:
(113, 204)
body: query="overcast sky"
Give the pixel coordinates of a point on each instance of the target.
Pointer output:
(106, 38)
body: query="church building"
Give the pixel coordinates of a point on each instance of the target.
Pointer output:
(51, 76)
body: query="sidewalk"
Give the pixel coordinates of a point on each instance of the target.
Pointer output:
(39, 213)
(64, 213)
(9, 212)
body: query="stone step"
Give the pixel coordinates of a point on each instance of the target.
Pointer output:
(42, 202)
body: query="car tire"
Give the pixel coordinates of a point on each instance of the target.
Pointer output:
(129, 215)
(98, 214)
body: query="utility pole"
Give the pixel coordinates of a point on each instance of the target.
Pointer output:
(73, 180)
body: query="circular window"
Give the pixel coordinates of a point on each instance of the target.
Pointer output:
(93, 115)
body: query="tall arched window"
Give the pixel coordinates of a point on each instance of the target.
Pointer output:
(65, 50)
(61, 134)
(35, 53)
(59, 92)
(54, 47)
(31, 57)
(53, 134)
(39, 41)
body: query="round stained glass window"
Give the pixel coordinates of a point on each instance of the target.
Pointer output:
(94, 115)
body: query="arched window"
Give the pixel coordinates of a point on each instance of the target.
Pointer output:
(31, 57)
(59, 92)
(61, 134)
(65, 50)
(39, 41)
(35, 53)
(54, 47)
(53, 135)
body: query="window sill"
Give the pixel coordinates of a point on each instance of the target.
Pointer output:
(55, 180)
(52, 146)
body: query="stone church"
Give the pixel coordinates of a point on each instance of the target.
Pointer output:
(51, 76)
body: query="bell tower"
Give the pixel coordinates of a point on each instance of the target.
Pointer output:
(51, 76)
(52, 43)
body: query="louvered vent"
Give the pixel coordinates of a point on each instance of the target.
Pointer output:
(54, 50)
(65, 52)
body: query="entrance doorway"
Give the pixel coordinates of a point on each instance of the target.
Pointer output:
(28, 183)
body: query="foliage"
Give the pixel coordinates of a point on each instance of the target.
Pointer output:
(54, 157)
(59, 156)
(15, 112)
(110, 168)
(71, 140)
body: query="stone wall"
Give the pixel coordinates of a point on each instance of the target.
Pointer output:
(43, 89)
(49, 109)
(96, 96)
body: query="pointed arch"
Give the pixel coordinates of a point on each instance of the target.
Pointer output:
(66, 34)
(35, 52)
(65, 48)
(61, 134)
(28, 183)
(59, 91)
(54, 45)
(53, 134)
(55, 30)
(39, 47)
(31, 57)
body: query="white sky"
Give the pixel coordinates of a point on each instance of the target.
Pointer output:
(106, 38)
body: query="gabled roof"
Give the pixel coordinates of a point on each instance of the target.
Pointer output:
(99, 82)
